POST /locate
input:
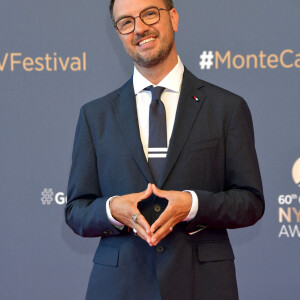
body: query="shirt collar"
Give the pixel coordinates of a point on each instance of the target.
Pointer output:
(172, 81)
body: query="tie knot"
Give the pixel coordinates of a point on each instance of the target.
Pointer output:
(155, 91)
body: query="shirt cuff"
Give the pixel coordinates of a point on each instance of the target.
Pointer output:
(194, 207)
(111, 219)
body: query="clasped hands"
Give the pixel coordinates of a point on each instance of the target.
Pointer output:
(179, 205)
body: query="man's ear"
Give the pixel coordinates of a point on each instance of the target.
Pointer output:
(174, 19)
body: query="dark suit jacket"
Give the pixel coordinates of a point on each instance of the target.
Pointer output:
(211, 151)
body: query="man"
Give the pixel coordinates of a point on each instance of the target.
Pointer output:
(162, 210)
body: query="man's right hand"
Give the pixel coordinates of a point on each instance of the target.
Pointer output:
(124, 207)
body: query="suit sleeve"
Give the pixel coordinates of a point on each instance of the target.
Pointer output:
(241, 203)
(85, 211)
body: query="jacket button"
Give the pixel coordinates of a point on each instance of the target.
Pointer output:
(160, 249)
(157, 208)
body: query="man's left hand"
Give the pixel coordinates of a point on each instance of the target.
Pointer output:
(178, 208)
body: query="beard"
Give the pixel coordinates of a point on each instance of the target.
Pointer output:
(147, 61)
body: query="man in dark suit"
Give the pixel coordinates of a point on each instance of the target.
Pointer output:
(163, 225)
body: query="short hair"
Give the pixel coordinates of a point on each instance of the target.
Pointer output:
(168, 3)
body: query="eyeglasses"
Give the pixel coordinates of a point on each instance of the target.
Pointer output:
(148, 16)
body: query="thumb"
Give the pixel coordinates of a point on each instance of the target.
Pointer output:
(157, 191)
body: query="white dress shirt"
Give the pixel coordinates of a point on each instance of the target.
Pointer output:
(170, 97)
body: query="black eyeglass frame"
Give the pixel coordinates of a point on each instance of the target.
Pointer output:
(139, 16)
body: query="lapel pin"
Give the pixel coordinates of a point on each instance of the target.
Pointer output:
(195, 98)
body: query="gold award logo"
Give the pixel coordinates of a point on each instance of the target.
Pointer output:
(296, 172)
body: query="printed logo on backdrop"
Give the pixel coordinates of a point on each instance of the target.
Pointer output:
(48, 197)
(289, 208)
(17, 61)
(286, 59)
(296, 172)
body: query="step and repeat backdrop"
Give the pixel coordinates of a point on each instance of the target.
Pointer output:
(57, 55)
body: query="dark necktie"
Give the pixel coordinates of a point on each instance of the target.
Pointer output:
(157, 147)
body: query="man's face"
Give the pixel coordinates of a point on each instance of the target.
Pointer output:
(147, 45)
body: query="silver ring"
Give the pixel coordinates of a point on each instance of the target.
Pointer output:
(134, 217)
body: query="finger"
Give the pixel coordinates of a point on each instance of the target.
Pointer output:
(141, 221)
(163, 218)
(140, 232)
(161, 233)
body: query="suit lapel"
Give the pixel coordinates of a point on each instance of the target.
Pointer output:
(126, 114)
(187, 111)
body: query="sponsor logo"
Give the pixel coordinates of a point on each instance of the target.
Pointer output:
(289, 209)
(16, 61)
(286, 59)
(48, 197)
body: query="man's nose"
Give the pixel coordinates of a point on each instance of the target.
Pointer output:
(140, 26)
